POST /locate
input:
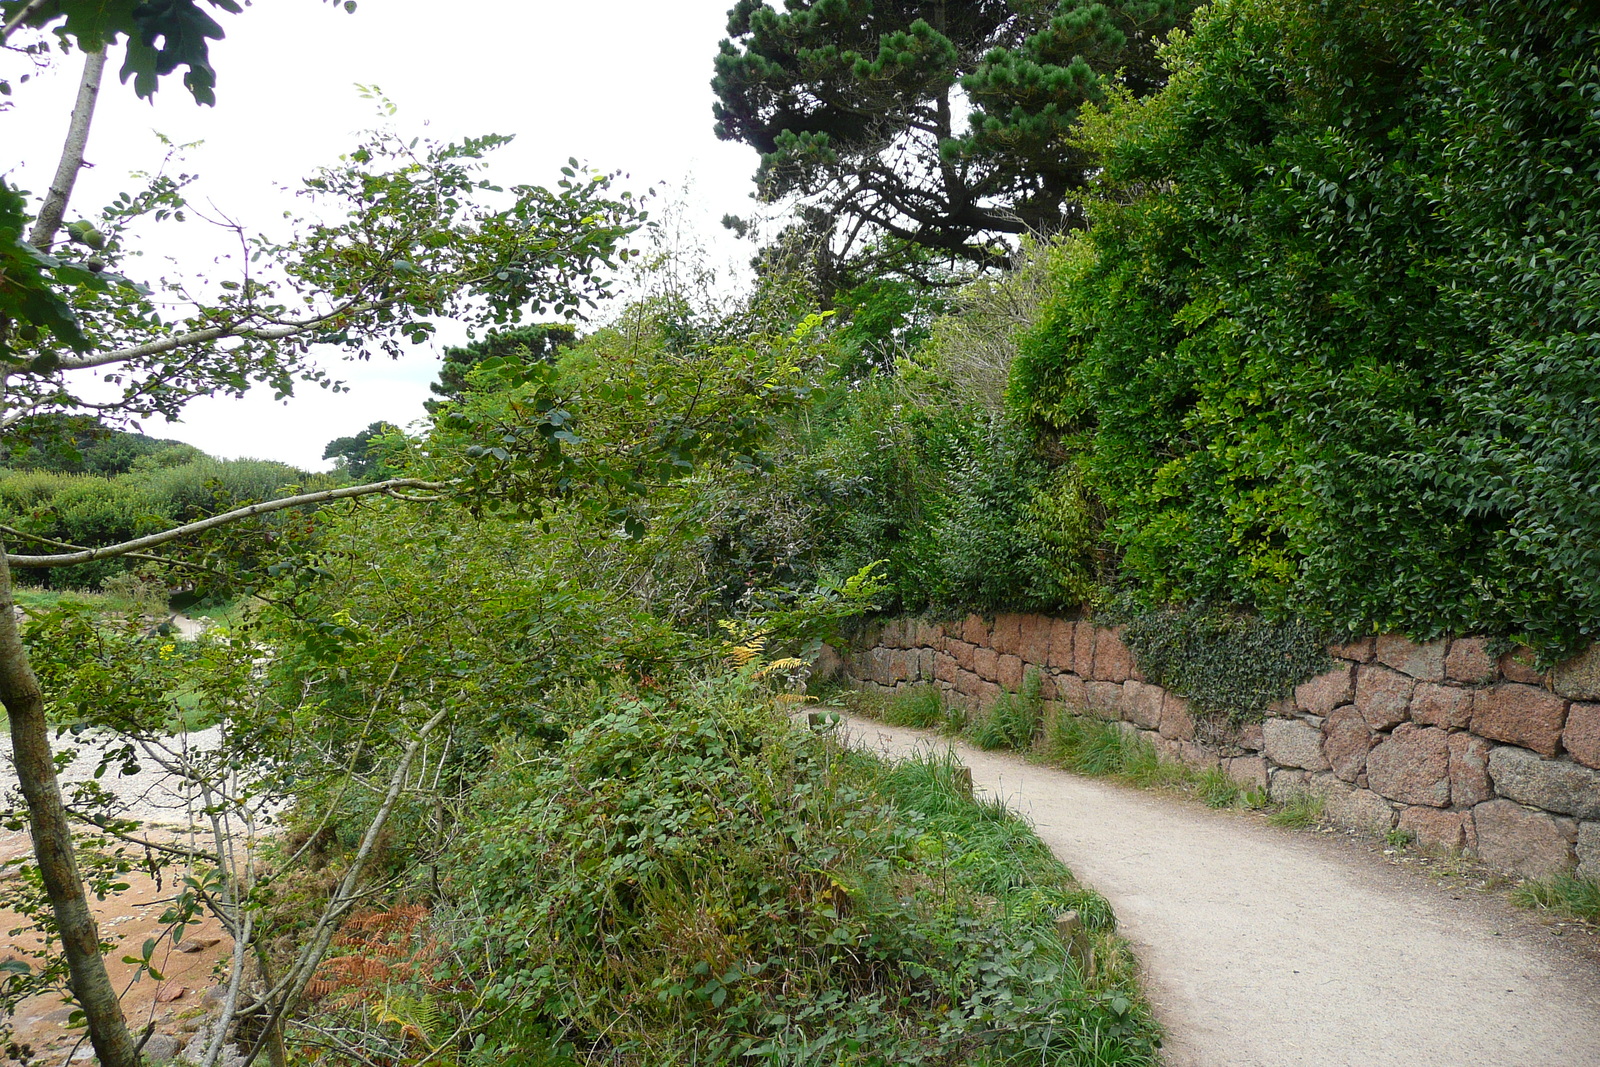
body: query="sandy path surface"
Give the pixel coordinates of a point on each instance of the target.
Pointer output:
(1267, 948)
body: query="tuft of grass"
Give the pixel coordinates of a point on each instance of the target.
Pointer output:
(1014, 719)
(1216, 788)
(1399, 838)
(1300, 811)
(1564, 894)
(920, 706)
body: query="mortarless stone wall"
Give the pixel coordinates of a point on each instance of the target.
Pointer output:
(1441, 740)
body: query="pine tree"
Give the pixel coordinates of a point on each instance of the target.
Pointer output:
(930, 123)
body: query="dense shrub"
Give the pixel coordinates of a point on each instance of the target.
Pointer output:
(689, 879)
(1330, 346)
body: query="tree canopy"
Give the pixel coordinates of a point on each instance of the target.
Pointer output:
(940, 125)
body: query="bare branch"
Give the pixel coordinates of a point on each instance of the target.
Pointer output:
(55, 202)
(279, 332)
(20, 17)
(265, 507)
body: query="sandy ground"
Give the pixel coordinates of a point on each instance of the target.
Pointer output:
(1265, 947)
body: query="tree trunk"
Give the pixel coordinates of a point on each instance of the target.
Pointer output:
(52, 841)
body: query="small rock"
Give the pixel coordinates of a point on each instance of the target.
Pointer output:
(1469, 661)
(1346, 742)
(1326, 692)
(1448, 706)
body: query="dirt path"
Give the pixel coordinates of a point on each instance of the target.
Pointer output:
(1267, 948)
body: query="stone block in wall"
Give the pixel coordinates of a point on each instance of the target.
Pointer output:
(1113, 662)
(1469, 661)
(1083, 649)
(1520, 714)
(1469, 770)
(904, 665)
(1177, 720)
(893, 634)
(1588, 850)
(1167, 750)
(1579, 677)
(986, 662)
(1434, 828)
(967, 683)
(962, 652)
(1008, 672)
(927, 634)
(1448, 706)
(1514, 838)
(1294, 744)
(1033, 641)
(1250, 737)
(1424, 662)
(1346, 740)
(878, 666)
(987, 694)
(1412, 766)
(1517, 666)
(1103, 699)
(1581, 736)
(1070, 691)
(1061, 643)
(928, 664)
(1141, 704)
(1287, 783)
(1248, 771)
(1355, 809)
(1554, 785)
(1004, 638)
(828, 666)
(1197, 757)
(1383, 695)
(974, 631)
(1361, 650)
(1327, 691)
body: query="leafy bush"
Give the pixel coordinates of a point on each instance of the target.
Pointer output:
(1329, 347)
(689, 879)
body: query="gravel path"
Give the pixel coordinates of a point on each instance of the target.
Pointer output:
(1268, 948)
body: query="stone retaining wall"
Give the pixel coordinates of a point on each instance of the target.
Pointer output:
(1440, 740)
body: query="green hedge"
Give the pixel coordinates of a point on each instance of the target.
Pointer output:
(1331, 346)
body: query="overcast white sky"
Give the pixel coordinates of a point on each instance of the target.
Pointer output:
(620, 84)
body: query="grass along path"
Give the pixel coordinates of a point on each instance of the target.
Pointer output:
(1266, 948)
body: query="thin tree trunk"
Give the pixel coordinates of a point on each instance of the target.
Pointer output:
(55, 202)
(52, 842)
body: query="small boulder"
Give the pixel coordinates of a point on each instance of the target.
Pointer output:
(1514, 838)
(1424, 662)
(1412, 766)
(1293, 743)
(1521, 715)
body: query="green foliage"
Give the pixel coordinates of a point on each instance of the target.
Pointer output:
(1093, 746)
(1216, 788)
(1301, 811)
(88, 446)
(364, 457)
(921, 707)
(1230, 664)
(857, 107)
(521, 343)
(1328, 348)
(690, 880)
(1564, 894)
(1014, 718)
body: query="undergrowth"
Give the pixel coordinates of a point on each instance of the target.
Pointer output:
(691, 878)
(1564, 894)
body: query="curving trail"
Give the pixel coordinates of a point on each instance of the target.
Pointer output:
(1266, 948)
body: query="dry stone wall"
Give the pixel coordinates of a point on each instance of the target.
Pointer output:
(1441, 740)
